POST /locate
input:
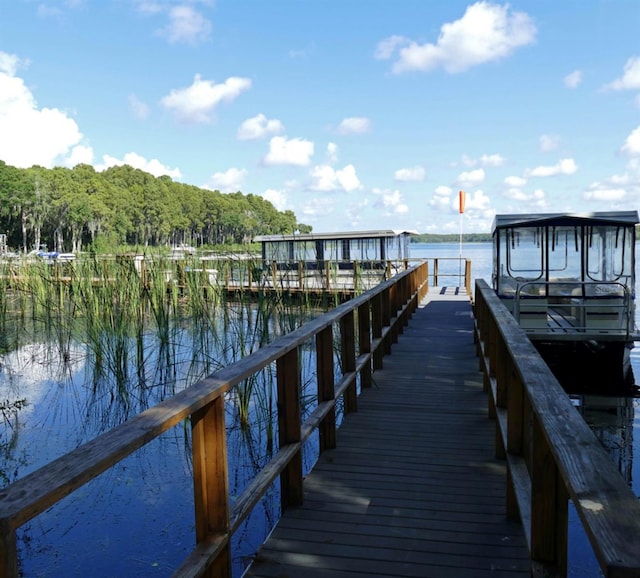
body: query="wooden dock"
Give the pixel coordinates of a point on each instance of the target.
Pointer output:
(413, 487)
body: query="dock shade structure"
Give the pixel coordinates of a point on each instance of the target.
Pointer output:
(315, 249)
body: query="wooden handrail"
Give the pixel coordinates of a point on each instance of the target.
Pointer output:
(551, 453)
(215, 520)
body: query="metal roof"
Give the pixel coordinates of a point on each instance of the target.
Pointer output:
(565, 219)
(333, 236)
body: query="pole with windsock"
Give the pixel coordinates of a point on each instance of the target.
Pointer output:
(461, 201)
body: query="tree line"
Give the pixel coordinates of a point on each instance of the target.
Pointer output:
(80, 208)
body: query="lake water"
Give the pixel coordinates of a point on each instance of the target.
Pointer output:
(137, 518)
(613, 419)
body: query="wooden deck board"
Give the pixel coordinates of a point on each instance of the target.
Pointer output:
(413, 488)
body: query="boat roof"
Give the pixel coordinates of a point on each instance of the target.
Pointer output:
(334, 236)
(628, 218)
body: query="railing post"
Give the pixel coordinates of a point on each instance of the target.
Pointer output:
(467, 277)
(326, 389)
(288, 378)
(549, 507)
(210, 480)
(348, 351)
(386, 319)
(8, 551)
(364, 342)
(387, 270)
(376, 329)
(435, 272)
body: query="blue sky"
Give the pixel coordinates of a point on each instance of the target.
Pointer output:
(354, 114)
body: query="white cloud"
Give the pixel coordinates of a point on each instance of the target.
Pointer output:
(228, 181)
(196, 102)
(413, 174)
(318, 207)
(259, 127)
(80, 154)
(549, 142)
(563, 167)
(573, 79)
(630, 79)
(605, 195)
(332, 153)
(154, 166)
(537, 199)
(476, 201)
(391, 202)
(470, 178)
(631, 146)
(277, 198)
(326, 178)
(186, 25)
(31, 135)
(355, 210)
(138, 108)
(514, 181)
(388, 46)
(284, 151)
(354, 125)
(441, 197)
(486, 32)
(494, 160)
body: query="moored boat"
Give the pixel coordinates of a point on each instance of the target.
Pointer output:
(569, 280)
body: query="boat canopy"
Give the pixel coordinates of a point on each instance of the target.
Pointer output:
(628, 218)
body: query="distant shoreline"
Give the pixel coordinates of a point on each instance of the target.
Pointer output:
(451, 238)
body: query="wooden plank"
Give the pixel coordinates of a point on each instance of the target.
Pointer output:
(413, 487)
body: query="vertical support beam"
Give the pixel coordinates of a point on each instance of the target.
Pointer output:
(386, 319)
(326, 389)
(364, 342)
(327, 275)
(274, 274)
(435, 272)
(467, 276)
(8, 551)
(210, 480)
(549, 507)
(348, 352)
(300, 276)
(376, 329)
(288, 378)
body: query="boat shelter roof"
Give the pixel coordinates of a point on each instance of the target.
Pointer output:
(628, 218)
(333, 236)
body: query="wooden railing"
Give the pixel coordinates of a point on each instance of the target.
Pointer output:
(368, 325)
(552, 455)
(453, 271)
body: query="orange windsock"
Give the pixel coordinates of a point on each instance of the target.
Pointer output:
(462, 200)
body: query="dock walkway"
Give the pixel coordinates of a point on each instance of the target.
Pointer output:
(413, 487)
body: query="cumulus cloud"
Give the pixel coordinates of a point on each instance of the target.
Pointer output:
(197, 102)
(605, 195)
(391, 202)
(537, 199)
(277, 198)
(153, 166)
(476, 201)
(284, 151)
(332, 153)
(549, 142)
(186, 25)
(228, 181)
(318, 207)
(486, 32)
(563, 167)
(31, 135)
(354, 125)
(573, 79)
(631, 146)
(326, 178)
(493, 160)
(259, 127)
(80, 154)
(514, 181)
(630, 79)
(412, 174)
(470, 178)
(441, 197)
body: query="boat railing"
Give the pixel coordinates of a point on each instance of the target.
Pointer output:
(577, 308)
(551, 453)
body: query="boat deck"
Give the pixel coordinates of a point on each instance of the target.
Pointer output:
(413, 487)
